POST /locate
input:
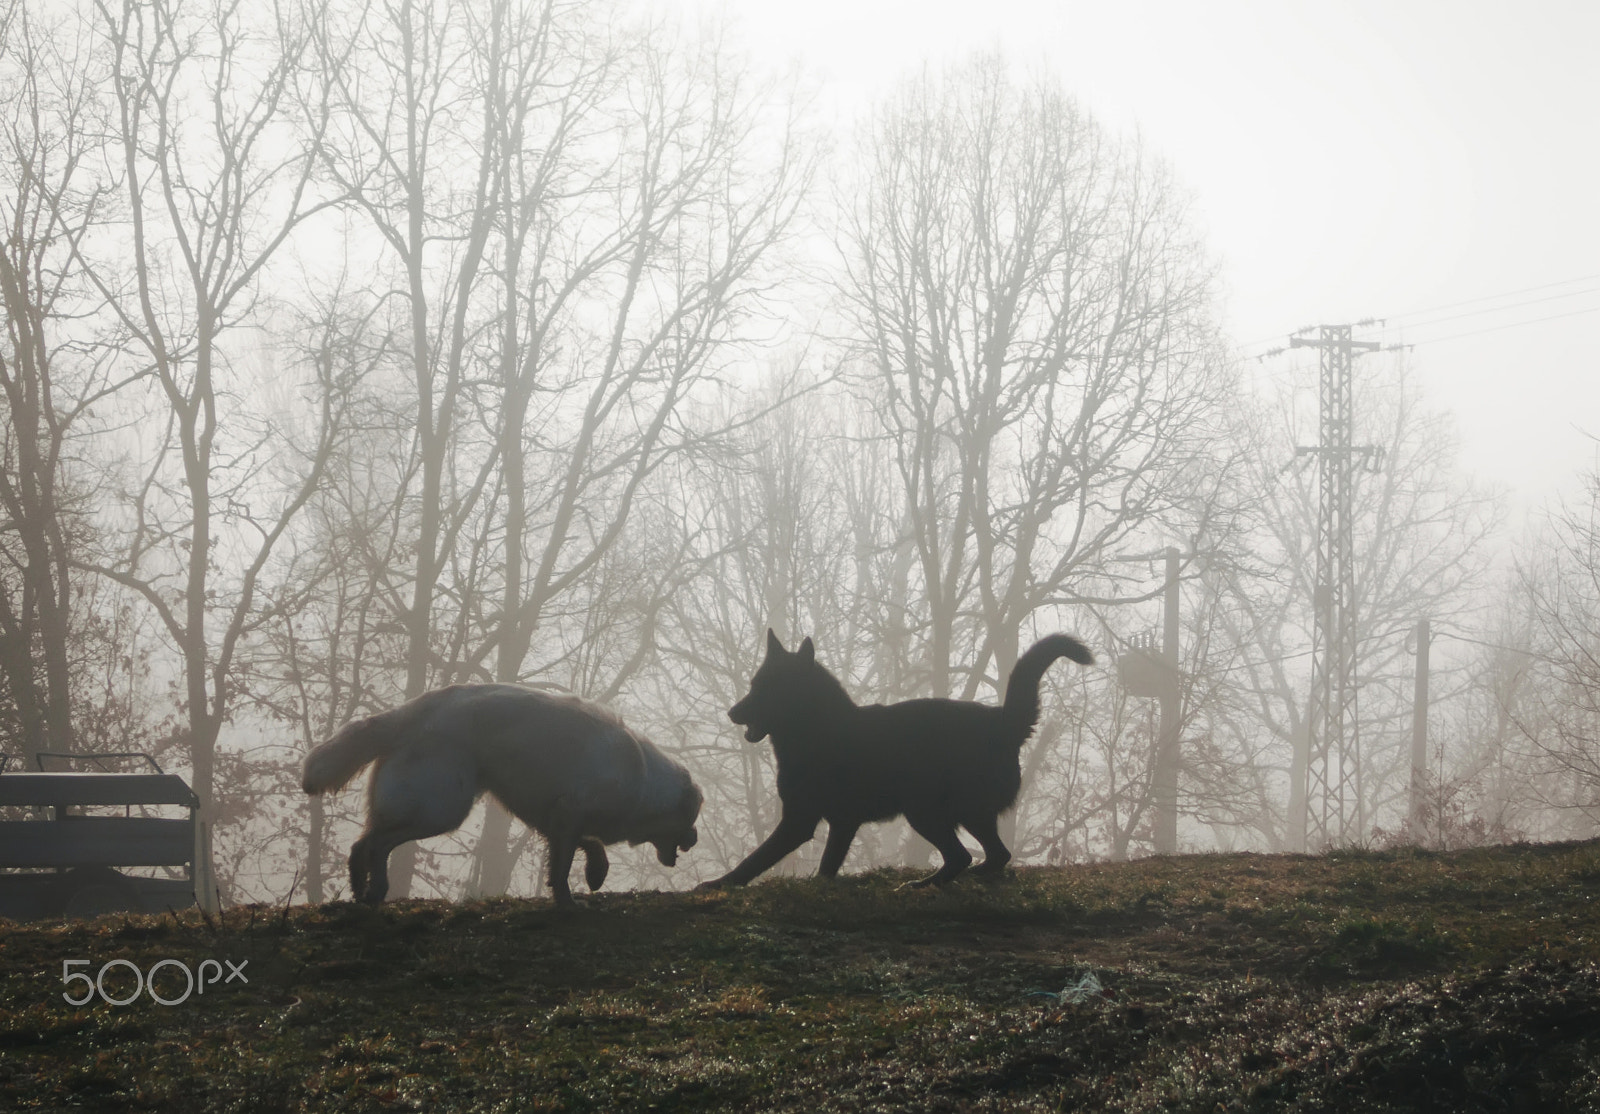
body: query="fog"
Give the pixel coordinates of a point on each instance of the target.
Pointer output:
(360, 350)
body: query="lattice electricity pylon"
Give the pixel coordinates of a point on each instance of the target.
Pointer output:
(1334, 813)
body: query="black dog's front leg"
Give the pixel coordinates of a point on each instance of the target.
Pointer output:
(840, 834)
(790, 833)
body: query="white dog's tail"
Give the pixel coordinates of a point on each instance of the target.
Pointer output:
(332, 764)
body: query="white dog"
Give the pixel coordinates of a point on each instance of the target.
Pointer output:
(568, 769)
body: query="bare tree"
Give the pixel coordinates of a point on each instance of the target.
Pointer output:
(415, 157)
(1487, 778)
(214, 178)
(576, 213)
(49, 378)
(331, 644)
(1035, 316)
(643, 200)
(412, 149)
(1560, 578)
(767, 515)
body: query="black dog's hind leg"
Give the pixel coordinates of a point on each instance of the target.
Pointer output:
(995, 854)
(790, 833)
(595, 862)
(839, 837)
(942, 834)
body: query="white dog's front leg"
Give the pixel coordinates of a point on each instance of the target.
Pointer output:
(596, 863)
(562, 849)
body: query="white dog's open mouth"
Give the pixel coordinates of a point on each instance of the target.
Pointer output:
(668, 852)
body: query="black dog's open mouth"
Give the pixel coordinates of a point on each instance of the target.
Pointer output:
(752, 733)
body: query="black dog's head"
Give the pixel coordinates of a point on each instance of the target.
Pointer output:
(777, 691)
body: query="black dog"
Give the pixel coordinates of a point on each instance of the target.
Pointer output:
(940, 763)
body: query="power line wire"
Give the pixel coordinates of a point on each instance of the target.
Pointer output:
(1405, 319)
(1507, 325)
(1486, 310)
(1496, 297)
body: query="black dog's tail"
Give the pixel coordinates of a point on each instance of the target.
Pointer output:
(1021, 709)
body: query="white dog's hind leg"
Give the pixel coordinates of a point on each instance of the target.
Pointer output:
(413, 796)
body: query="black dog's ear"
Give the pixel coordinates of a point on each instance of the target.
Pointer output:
(808, 652)
(774, 647)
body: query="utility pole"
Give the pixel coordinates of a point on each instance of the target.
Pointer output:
(1331, 810)
(1145, 673)
(1164, 784)
(1419, 739)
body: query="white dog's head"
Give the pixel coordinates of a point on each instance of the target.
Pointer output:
(678, 830)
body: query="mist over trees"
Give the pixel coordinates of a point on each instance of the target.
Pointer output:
(357, 349)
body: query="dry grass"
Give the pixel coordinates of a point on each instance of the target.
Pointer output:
(1467, 981)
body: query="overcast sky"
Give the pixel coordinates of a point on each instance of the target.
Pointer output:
(1349, 159)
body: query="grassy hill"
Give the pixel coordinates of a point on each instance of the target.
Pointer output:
(1407, 980)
